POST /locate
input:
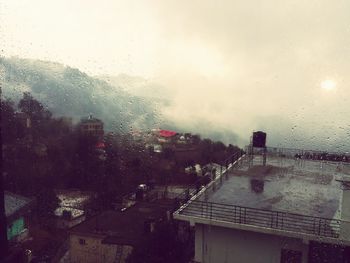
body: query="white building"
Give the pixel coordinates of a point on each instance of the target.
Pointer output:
(291, 210)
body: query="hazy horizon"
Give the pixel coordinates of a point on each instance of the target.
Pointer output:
(234, 65)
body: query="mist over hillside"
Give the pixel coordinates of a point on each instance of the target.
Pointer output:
(69, 92)
(127, 103)
(308, 127)
(141, 87)
(123, 102)
(164, 99)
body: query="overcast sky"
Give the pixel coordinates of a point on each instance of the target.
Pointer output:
(281, 66)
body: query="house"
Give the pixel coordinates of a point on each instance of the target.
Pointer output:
(112, 235)
(167, 136)
(71, 210)
(17, 210)
(91, 126)
(288, 210)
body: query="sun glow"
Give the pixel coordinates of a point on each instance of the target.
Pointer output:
(328, 84)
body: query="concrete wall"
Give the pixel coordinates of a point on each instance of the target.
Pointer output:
(94, 251)
(69, 223)
(223, 245)
(345, 214)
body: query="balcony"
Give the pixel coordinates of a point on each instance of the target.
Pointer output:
(316, 226)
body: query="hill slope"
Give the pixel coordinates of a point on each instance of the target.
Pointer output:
(67, 91)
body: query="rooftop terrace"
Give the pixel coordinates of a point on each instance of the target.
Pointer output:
(298, 195)
(297, 186)
(15, 204)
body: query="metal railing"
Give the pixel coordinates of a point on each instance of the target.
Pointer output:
(263, 218)
(316, 155)
(215, 180)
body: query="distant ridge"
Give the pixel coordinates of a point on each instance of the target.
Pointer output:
(67, 91)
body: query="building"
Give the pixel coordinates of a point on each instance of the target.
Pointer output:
(91, 126)
(112, 235)
(17, 210)
(290, 210)
(71, 209)
(164, 136)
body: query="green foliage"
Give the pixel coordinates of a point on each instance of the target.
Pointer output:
(33, 108)
(168, 153)
(47, 202)
(51, 154)
(11, 127)
(31, 155)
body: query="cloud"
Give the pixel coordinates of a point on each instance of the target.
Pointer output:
(231, 65)
(270, 58)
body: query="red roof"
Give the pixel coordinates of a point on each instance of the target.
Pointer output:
(166, 133)
(100, 145)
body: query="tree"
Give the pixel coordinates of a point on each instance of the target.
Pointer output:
(219, 147)
(206, 148)
(34, 109)
(196, 139)
(87, 168)
(168, 153)
(11, 127)
(47, 202)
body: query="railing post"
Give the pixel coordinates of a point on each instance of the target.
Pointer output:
(314, 226)
(240, 215)
(206, 210)
(324, 227)
(211, 208)
(235, 215)
(271, 223)
(319, 227)
(282, 220)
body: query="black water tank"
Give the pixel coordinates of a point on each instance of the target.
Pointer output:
(259, 139)
(257, 185)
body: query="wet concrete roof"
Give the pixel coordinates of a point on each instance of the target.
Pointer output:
(14, 203)
(296, 186)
